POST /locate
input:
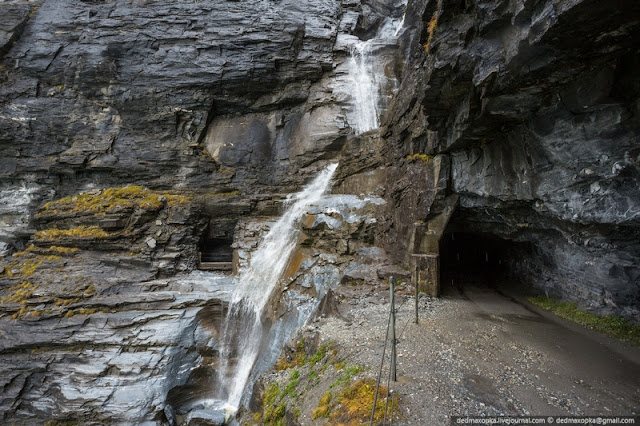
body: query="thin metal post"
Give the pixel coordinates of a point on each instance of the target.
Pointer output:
(375, 398)
(417, 300)
(393, 330)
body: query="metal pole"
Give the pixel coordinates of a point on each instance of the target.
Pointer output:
(375, 398)
(393, 331)
(417, 299)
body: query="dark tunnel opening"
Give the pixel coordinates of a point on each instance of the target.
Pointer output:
(216, 250)
(477, 259)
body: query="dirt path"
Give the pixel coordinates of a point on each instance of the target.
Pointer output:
(481, 352)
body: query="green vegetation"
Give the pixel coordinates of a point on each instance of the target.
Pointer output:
(431, 27)
(272, 414)
(51, 253)
(112, 200)
(324, 406)
(356, 402)
(289, 390)
(41, 260)
(348, 400)
(226, 194)
(19, 293)
(425, 158)
(81, 232)
(29, 267)
(297, 359)
(24, 269)
(63, 250)
(619, 328)
(319, 355)
(33, 11)
(348, 371)
(353, 405)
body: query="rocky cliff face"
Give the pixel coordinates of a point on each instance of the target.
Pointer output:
(131, 130)
(212, 95)
(529, 111)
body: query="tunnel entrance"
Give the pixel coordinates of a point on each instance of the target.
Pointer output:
(474, 259)
(216, 250)
(216, 254)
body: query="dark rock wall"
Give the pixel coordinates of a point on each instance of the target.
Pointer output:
(216, 108)
(535, 106)
(198, 95)
(527, 109)
(94, 80)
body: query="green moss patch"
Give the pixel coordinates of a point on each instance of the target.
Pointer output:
(425, 158)
(333, 391)
(273, 411)
(112, 200)
(80, 232)
(354, 404)
(617, 327)
(297, 359)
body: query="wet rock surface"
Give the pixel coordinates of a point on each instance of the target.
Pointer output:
(100, 361)
(219, 96)
(103, 299)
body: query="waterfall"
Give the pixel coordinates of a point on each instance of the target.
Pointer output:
(243, 331)
(365, 88)
(367, 76)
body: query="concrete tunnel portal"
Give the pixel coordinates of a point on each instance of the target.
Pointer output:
(451, 252)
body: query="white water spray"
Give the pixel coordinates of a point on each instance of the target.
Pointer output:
(366, 79)
(243, 332)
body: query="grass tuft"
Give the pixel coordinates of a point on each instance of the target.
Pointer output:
(272, 413)
(297, 359)
(431, 29)
(324, 407)
(356, 402)
(617, 327)
(80, 232)
(113, 200)
(353, 405)
(425, 158)
(319, 355)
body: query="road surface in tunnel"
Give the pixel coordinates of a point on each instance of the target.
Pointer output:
(550, 365)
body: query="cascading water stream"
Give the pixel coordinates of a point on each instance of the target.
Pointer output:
(365, 88)
(243, 332)
(366, 80)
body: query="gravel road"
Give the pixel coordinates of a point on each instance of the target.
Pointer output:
(480, 352)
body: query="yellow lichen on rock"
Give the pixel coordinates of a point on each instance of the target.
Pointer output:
(425, 158)
(63, 250)
(19, 293)
(80, 232)
(112, 200)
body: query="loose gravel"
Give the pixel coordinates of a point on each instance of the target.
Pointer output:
(478, 353)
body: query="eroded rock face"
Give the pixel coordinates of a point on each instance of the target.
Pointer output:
(213, 96)
(535, 107)
(215, 110)
(525, 109)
